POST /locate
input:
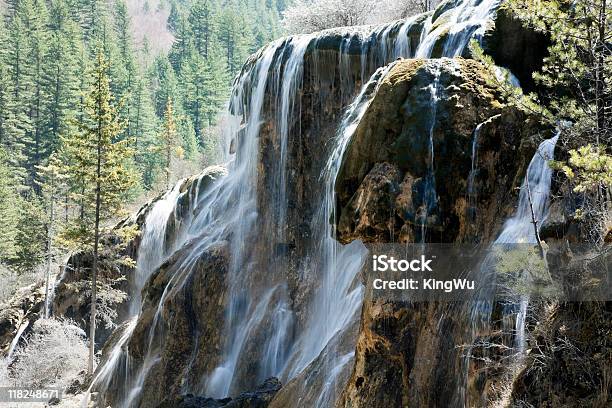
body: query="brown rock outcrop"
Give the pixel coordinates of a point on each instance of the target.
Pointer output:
(405, 350)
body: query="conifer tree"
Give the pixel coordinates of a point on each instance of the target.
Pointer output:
(169, 142)
(183, 41)
(202, 19)
(31, 237)
(5, 88)
(145, 135)
(166, 84)
(38, 148)
(235, 37)
(8, 210)
(100, 164)
(18, 125)
(204, 89)
(61, 72)
(52, 186)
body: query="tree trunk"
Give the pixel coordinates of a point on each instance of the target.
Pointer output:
(94, 269)
(534, 221)
(49, 243)
(600, 80)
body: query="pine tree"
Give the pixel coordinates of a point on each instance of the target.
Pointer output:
(18, 125)
(52, 186)
(125, 73)
(92, 17)
(204, 89)
(202, 19)
(61, 71)
(100, 163)
(144, 135)
(38, 147)
(170, 147)
(578, 69)
(5, 88)
(165, 84)
(235, 36)
(183, 40)
(9, 201)
(576, 80)
(31, 237)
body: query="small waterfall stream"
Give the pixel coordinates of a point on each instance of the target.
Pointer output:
(227, 211)
(519, 228)
(534, 194)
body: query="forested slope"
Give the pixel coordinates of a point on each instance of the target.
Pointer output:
(168, 81)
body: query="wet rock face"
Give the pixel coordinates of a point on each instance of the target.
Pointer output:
(376, 196)
(515, 47)
(404, 351)
(391, 188)
(186, 346)
(181, 330)
(70, 301)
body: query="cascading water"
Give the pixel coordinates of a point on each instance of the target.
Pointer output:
(338, 298)
(151, 253)
(458, 25)
(471, 190)
(227, 211)
(519, 229)
(534, 196)
(471, 186)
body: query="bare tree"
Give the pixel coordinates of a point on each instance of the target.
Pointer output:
(308, 16)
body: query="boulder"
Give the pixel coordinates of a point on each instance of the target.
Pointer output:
(259, 398)
(185, 319)
(391, 188)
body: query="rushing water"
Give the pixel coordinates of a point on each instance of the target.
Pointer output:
(533, 197)
(534, 193)
(228, 211)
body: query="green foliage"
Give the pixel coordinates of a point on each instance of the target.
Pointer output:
(31, 238)
(523, 271)
(576, 82)
(499, 78)
(589, 167)
(97, 162)
(577, 71)
(8, 210)
(50, 52)
(170, 147)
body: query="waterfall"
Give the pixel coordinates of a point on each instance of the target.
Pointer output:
(151, 253)
(151, 250)
(471, 189)
(267, 94)
(339, 297)
(458, 25)
(535, 188)
(430, 196)
(471, 185)
(534, 195)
